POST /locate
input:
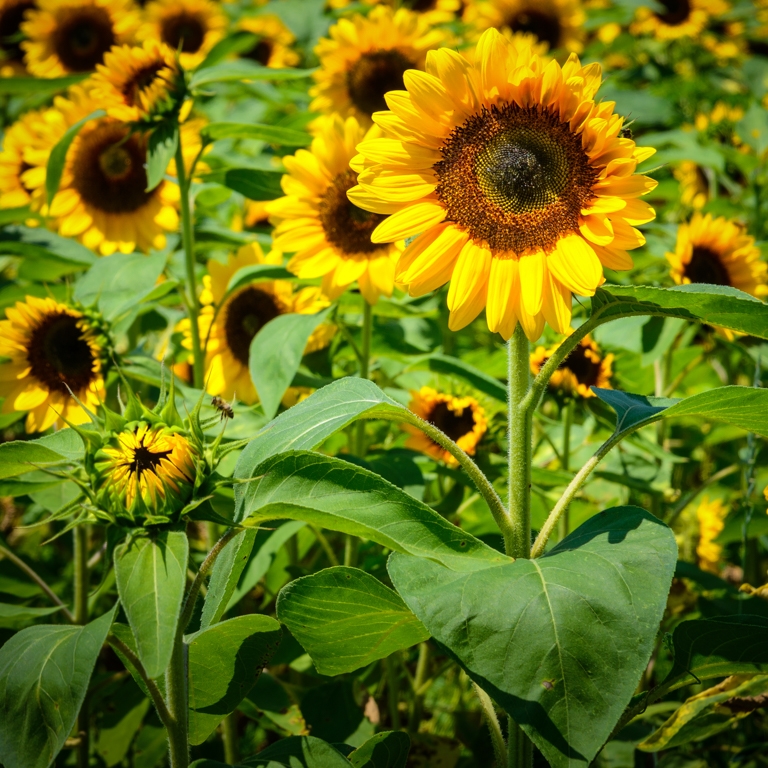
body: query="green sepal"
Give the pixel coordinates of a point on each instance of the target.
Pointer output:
(166, 407)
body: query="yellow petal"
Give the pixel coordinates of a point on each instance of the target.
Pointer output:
(597, 229)
(574, 263)
(469, 285)
(503, 289)
(410, 221)
(532, 268)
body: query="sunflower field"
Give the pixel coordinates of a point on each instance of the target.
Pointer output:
(384, 383)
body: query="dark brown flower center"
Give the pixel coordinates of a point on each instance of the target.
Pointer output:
(82, 37)
(184, 31)
(11, 16)
(246, 314)
(586, 370)
(541, 25)
(516, 178)
(373, 75)
(346, 226)
(455, 424)
(261, 52)
(421, 6)
(59, 356)
(140, 81)
(145, 460)
(108, 169)
(677, 11)
(706, 266)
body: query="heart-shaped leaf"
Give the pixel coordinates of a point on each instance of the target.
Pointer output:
(560, 642)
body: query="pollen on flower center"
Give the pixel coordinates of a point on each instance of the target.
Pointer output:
(706, 266)
(373, 75)
(82, 39)
(246, 314)
(454, 423)
(544, 26)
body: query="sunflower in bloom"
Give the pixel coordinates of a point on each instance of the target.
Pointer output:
(460, 418)
(364, 58)
(711, 516)
(53, 360)
(694, 184)
(21, 182)
(12, 13)
(585, 367)
(229, 322)
(329, 235)
(137, 82)
(71, 36)
(518, 184)
(273, 46)
(433, 11)
(678, 18)
(718, 252)
(191, 27)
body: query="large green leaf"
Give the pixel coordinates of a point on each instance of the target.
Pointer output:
(388, 749)
(17, 616)
(345, 619)
(253, 183)
(225, 661)
(560, 642)
(26, 86)
(41, 245)
(163, 142)
(233, 71)
(44, 676)
(299, 752)
(272, 134)
(335, 494)
(20, 456)
(151, 571)
(256, 273)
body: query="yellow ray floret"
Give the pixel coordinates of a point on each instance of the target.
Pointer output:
(711, 516)
(517, 182)
(432, 11)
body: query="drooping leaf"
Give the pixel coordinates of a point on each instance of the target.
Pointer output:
(225, 661)
(345, 619)
(151, 571)
(163, 142)
(272, 134)
(26, 86)
(256, 273)
(233, 71)
(44, 676)
(388, 749)
(299, 752)
(41, 245)
(20, 456)
(17, 616)
(561, 641)
(340, 496)
(253, 183)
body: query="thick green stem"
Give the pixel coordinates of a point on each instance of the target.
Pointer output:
(81, 582)
(497, 737)
(519, 747)
(188, 243)
(565, 460)
(417, 710)
(229, 736)
(393, 692)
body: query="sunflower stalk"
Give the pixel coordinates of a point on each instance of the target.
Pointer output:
(80, 557)
(565, 461)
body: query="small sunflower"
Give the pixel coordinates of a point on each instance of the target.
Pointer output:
(274, 41)
(518, 184)
(191, 27)
(365, 57)
(433, 11)
(228, 323)
(694, 184)
(711, 516)
(679, 18)
(53, 357)
(70, 36)
(585, 367)
(460, 418)
(137, 82)
(12, 14)
(329, 235)
(718, 252)
(21, 182)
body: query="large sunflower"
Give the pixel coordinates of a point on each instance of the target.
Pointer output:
(12, 13)
(517, 182)
(53, 357)
(191, 27)
(21, 182)
(329, 235)
(365, 57)
(460, 418)
(680, 18)
(66, 36)
(228, 323)
(719, 252)
(558, 24)
(274, 42)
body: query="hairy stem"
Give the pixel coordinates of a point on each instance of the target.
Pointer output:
(497, 737)
(565, 459)
(81, 583)
(178, 703)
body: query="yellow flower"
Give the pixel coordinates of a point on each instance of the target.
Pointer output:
(66, 36)
(274, 41)
(460, 418)
(191, 27)
(137, 82)
(585, 367)
(365, 57)
(433, 11)
(21, 183)
(711, 516)
(558, 24)
(12, 13)
(228, 323)
(694, 184)
(680, 18)
(52, 355)
(519, 185)
(331, 237)
(718, 251)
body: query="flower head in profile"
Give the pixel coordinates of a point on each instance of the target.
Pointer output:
(53, 363)
(462, 419)
(711, 517)
(717, 251)
(518, 184)
(677, 18)
(273, 46)
(329, 234)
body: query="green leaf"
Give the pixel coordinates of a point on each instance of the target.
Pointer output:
(119, 723)
(340, 496)
(388, 749)
(123, 632)
(239, 42)
(257, 273)
(345, 619)
(272, 134)
(559, 642)
(21, 456)
(752, 129)
(26, 86)
(44, 675)
(233, 71)
(254, 184)
(473, 376)
(163, 143)
(17, 616)
(225, 661)
(151, 571)
(299, 752)
(58, 155)
(275, 355)
(40, 244)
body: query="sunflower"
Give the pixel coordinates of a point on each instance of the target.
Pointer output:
(694, 184)
(228, 323)
(331, 236)
(274, 41)
(517, 182)
(137, 82)
(680, 18)
(191, 27)
(53, 360)
(585, 367)
(711, 516)
(433, 11)
(718, 252)
(66, 36)
(365, 57)
(12, 13)
(21, 183)
(558, 24)
(462, 419)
